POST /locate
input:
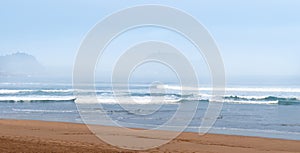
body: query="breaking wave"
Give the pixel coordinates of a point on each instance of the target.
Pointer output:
(141, 96)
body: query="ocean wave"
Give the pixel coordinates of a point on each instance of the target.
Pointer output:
(128, 100)
(28, 91)
(4, 91)
(43, 110)
(38, 99)
(236, 89)
(143, 96)
(252, 102)
(262, 99)
(158, 99)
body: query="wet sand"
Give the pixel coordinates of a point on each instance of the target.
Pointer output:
(41, 136)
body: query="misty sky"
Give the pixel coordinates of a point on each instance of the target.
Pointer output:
(255, 38)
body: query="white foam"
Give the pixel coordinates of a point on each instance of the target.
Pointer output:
(248, 89)
(41, 98)
(58, 90)
(128, 100)
(250, 101)
(13, 91)
(5, 91)
(43, 110)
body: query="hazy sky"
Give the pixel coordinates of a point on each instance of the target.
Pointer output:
(255, 38)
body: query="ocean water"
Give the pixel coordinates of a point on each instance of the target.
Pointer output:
(266, 111)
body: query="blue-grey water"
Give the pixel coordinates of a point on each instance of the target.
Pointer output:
(254, 111)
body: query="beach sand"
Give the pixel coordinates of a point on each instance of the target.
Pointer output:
(41, 136)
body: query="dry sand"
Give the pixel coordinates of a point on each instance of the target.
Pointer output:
(40, 136)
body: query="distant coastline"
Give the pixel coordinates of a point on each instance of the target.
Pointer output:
(19, 64)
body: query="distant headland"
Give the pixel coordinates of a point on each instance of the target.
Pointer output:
(19, 64)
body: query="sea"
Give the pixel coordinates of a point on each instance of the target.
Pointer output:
(253, 110)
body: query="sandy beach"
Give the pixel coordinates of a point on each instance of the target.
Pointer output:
(41, 136)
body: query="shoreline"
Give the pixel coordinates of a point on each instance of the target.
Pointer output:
(45, 136)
